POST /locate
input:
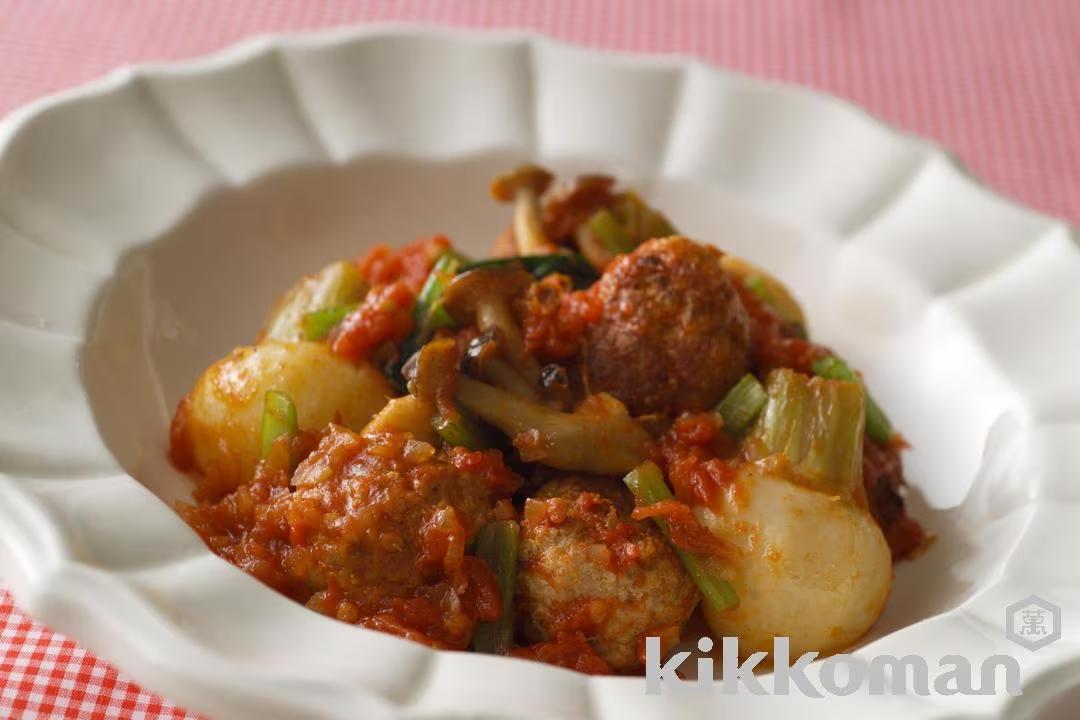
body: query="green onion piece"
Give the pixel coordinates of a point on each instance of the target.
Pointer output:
(655, 225)
(580, 270)
(460, 431)
(439, 318)
(817, 425)
(336, 285)
(614, 236)
(279, 418)
(878, 426)
(759, 287)
(427, 302)
(497, 545)
(647, 484)
(775, 296)
(428, 315)
(641, 222)
(318, 323)
(741, 405)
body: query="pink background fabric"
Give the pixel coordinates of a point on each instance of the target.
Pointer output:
(995, 81)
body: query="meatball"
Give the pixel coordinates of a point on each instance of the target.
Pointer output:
(374, 532)
(674, 336)
(587, 569)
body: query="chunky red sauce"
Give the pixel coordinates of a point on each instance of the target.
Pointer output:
(568, 206)
(554, 318)
(686, 532)
(371, 530)
(385, 316)
(410, 264)
(698, 458)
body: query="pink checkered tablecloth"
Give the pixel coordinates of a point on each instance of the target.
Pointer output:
(997, 81)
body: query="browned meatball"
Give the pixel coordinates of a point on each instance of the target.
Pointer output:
(674, 335)
(588, 569)
(373, 530)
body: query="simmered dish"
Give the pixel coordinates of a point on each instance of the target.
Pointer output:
(554, 452)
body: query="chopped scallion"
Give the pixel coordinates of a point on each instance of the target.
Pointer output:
(647, 484)
(574, 265)
(427, 302)
(279, 418)
(741, 405)
(759, 287)
(878, 426)
(460, 431)
(318, 323)
(497, 545)
(610, 232)
(429, 315)
(816, 424)
(439, 318)
(641, 222)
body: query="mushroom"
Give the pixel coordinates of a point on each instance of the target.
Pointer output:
(523, 186)
(483, 296)
(436, 374)
(407, 413)
(480, 351)
(598, 437)
(556, 385)
(432, 374)
(483, 359)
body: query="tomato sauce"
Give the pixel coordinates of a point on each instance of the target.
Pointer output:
(699, 458)
(686, 532)
(410, 264)
(385, 316)
(366, 533)
(555, 318)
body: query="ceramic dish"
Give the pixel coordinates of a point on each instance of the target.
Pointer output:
(136, 211)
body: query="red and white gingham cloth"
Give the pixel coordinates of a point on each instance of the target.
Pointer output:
(44, 675)
(997, 81)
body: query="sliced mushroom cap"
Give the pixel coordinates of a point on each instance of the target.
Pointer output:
(531, 178)
(523, 187)
(483, 296)
(472, 289)
(599, 436)
(480, 350)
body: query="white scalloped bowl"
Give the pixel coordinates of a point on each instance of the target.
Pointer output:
(147, 221)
